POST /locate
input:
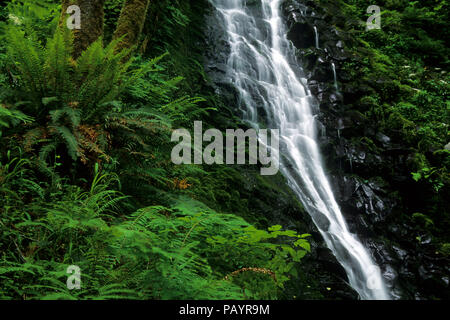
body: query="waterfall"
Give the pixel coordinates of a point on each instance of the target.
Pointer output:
(262, 67)
(333, 67)
(316, 33)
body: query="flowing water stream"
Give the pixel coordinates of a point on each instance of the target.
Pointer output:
(316, 34)
(263, 69)
(333, 67)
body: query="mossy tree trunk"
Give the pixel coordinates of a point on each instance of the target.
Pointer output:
(131, 22)
(92, 16)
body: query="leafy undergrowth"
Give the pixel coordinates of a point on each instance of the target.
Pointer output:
(186, 251)
(86, 177)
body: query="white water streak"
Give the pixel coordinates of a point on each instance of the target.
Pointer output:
(333, 67)
(317, 37)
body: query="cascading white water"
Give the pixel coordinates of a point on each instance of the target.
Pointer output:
(333, 66)
(316, 33)
(261, 69)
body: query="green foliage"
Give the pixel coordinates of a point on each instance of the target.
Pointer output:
(182, 252)
(409, 57)
(37, 18)
(12, 117)
(89, 82)
(178, 32)
(431, 175)
(133, 230)
(445, 249)
(424, 219)
(112, 10)
(76, 95)
(16, 181)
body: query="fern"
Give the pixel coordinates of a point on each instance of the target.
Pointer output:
(59, 65)
(181, 252)
(28, 59)
(11, 117)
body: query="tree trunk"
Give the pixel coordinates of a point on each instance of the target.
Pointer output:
(131, 22)
(92, 15)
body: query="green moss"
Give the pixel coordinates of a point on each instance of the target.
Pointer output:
(445, 249)
(131, 22)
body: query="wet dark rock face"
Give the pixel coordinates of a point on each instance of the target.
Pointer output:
(369, 172)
